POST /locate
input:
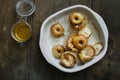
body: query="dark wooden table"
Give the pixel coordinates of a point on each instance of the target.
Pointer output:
(27, 63)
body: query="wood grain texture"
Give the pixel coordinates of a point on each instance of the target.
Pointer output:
(13, 58)
(27, 63)
(109, 67)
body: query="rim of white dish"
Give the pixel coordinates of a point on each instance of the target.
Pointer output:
(100, 22)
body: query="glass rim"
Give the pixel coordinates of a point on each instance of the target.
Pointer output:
(29, 12)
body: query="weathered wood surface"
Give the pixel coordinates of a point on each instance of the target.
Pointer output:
(109, 67)
(27, 63)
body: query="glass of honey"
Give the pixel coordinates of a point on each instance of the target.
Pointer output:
(21, 30)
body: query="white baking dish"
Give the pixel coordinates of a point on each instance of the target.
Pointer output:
(46, 42)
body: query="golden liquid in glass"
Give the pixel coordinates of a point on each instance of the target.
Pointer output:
(22, 31)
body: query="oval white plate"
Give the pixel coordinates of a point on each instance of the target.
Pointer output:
(99, 33)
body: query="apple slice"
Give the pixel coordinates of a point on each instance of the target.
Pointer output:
(86, 32)
(86, 54)
(98, 48)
